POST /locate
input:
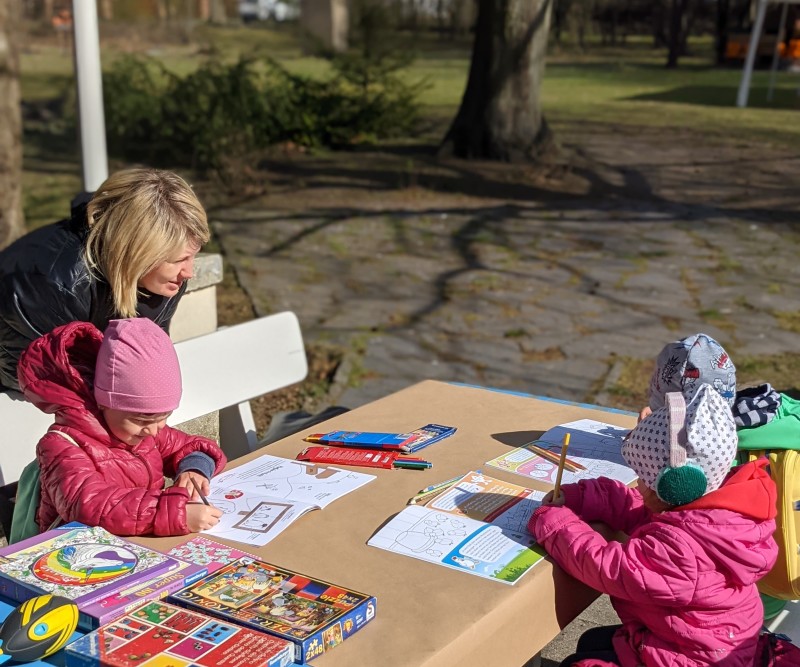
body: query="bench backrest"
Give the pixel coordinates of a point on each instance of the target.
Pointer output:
(221, 371)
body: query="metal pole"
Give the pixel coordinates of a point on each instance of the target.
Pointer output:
(92, 125)
(755, 37)
(776, 52)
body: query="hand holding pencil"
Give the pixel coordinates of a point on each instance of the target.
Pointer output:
(562, 461)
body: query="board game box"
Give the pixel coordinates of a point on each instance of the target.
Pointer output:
(106, 610)
(206, 552)
(315, 615)
(158, 634)
(82, 563)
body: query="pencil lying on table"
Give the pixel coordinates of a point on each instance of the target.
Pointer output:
(571, 466)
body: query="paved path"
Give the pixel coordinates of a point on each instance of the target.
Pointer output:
(480, 278)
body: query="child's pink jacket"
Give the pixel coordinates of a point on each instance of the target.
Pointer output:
(684, 584)
(101, 481)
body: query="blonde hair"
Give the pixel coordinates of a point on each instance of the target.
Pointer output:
(139, 218)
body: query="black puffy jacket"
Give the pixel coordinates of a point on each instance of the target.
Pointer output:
(44, 283)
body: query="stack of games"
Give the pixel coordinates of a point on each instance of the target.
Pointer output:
(158, 634)
(103, 574)
(314, 614)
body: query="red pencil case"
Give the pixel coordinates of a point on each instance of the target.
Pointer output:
(349, 457)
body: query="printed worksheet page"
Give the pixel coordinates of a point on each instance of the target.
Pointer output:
(595, 445)
(261, 498)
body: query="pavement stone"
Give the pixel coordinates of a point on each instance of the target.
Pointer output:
(534, 295)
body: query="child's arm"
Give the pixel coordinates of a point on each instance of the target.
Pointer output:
(606, 500)
(655, 566)
(175, 446)
(81, 493)
(194, 472)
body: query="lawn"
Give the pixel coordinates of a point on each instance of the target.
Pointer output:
(609, 86)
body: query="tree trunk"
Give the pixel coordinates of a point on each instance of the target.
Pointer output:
(107, 10)
(723, 28)
(12, 223)
(500, 117)
(204, 10)
(675, 44)
(218, 13)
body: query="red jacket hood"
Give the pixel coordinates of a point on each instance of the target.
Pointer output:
(56, 374)
(748, 489)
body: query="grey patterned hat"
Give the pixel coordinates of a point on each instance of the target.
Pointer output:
(704, 440)
(686, 364)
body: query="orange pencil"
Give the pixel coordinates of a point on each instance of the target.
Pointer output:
(572, 466)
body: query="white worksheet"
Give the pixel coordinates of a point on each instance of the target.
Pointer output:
(261, 498)
(595, 445)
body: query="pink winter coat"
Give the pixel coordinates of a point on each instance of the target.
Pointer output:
(101, 482)
(684, 584)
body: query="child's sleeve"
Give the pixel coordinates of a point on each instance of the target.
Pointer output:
(618, 506)
(80, 493)
(175, 446)
(658, 565)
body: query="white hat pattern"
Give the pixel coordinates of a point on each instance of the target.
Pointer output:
(710, 442)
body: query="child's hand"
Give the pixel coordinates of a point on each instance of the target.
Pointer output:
(201, 517)
(548, 501)
(185, 480)
(644, 413)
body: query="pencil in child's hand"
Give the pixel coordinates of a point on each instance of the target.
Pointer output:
(557, 489)
(199, 491)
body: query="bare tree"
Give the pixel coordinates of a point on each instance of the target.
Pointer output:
(12, 223)
(500, 117)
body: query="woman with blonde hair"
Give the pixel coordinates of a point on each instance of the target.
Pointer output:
(127, 253)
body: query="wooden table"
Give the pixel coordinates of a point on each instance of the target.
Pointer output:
(429, 614)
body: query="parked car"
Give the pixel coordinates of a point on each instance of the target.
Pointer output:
(264, 10)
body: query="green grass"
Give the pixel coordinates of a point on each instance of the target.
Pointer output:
(617, 87)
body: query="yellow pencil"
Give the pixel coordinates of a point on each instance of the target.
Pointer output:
(565, 444)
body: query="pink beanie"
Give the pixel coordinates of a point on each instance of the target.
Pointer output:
(137, 369)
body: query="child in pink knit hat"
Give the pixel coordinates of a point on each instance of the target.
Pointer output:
(105, 459)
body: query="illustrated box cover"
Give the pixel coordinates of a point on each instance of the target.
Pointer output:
(158, 634)
(82, 563)
(314, 614)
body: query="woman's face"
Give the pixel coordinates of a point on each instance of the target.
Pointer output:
(166, 278)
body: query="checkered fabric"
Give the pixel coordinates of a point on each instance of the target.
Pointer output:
(755, 406)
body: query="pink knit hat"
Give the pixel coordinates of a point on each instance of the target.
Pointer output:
(137, 369)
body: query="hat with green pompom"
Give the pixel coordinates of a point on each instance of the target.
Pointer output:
(683, 451)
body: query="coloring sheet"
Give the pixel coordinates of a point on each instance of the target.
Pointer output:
(458, 542)
(595, 445)
(490, 500)
(260, 498)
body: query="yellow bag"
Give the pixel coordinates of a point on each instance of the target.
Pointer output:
(783, 581)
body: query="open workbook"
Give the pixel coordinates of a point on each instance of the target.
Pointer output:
(262, 497)
(479, 525)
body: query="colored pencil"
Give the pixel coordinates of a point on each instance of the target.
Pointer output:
(199, 491)
(433, 490)
(557, 489)
(572, 466)
(436, 487)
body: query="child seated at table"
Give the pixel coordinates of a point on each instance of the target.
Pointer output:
(687, 364)
(699, 537)
(104, 460)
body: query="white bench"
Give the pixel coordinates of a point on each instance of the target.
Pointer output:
(221, 371)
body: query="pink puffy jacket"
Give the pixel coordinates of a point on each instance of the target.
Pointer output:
(102, 481)
(684, 584)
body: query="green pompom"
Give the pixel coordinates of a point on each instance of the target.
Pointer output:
(682, 485)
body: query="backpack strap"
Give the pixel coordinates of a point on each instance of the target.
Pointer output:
(67, 436)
